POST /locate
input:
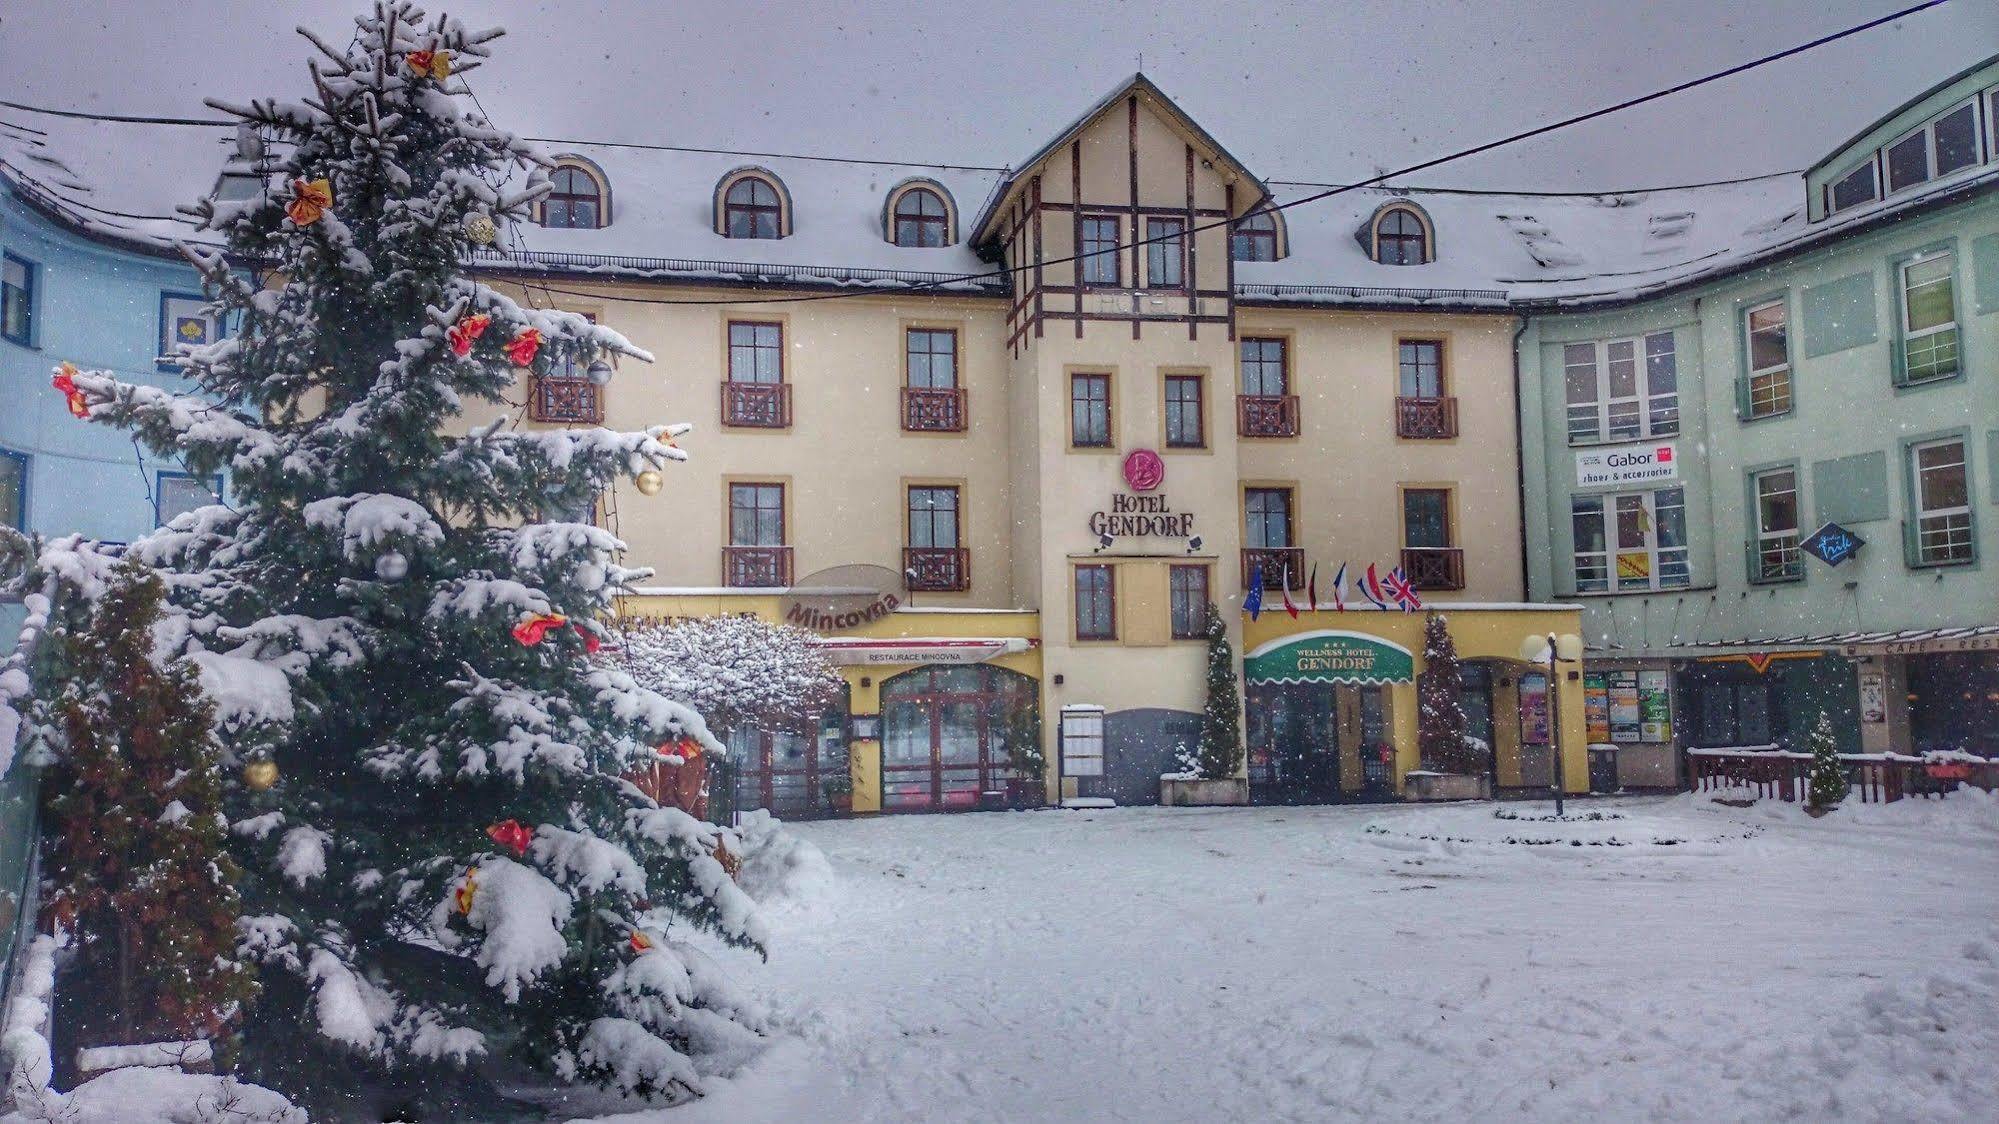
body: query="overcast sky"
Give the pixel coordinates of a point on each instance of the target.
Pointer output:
(1322, 90)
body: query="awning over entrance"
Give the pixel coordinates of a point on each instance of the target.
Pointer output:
(1329, 656)
(947, 650)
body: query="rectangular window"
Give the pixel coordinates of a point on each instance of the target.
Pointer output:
(1908, 161)
(1777, 555)
(178, 493)
(1768, 331)
(184, 322)
(13, 490)
(1096, 603)
(1189, 587)
(1090, 411)
(17, 299)
(1100, 251)
(1955, 142)
(1426, 517)
(932, 358)
(1422, 368)
(756, 515)
(1852, 189)
(1166, 259)
(933, 518)
(756, 353)
(1186, 414)
(1635, 540)
(1943, 503)
(1929, 319)
(1265, 367)
(1622, 390)
(1267, 518)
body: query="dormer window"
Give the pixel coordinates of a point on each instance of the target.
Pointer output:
(580, 198)
(1939, 148)
(1401, 236)
(919, 216)
(1853, 188)
(1254, 237)
(753, 205)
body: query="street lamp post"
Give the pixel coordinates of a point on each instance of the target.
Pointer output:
(1553, 650)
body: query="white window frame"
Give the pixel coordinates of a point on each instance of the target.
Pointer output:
(1771, 375)
(1873, 165)
(1645, 404)
(1928, 131)
(1911, 335)
(1776, 544)
(1956, 529)
(1603, 562)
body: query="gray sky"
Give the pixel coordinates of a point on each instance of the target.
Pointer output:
(1300, 91)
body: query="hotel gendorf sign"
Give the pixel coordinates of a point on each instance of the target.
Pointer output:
(1135, 514)
(1329, 656)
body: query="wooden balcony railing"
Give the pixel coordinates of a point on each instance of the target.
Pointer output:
(937, 569)
(758, 405)
(1426, 418)
(756, 567)
(927, 410)
(1276, 562)
(1266, 415)
(1434, 567)
(571, 400)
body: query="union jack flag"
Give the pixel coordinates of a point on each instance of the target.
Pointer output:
(1401, 591)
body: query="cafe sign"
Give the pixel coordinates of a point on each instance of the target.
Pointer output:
(1329, 656)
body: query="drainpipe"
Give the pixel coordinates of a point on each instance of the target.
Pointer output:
(1520, 457)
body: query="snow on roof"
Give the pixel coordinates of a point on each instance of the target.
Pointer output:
(123, 181)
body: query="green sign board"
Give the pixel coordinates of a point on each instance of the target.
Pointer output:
(1330, 657)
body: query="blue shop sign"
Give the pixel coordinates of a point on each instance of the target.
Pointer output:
(1832, 544)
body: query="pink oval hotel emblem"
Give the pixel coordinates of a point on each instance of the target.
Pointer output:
(1144, 470)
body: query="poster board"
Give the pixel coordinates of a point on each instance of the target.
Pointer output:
(1596, 707)
(1534, 709)
(1625, 725)
(1655, 705)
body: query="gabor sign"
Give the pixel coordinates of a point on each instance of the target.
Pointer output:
(1627, 464)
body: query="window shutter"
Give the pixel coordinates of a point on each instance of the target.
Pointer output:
(1742, 397)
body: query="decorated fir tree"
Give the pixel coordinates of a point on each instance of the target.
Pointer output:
(1220, 754)
(445, 884)
(136, 866)
(1440, 715)
(1825, 779)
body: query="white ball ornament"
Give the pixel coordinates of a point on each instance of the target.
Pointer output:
(480, 229)
(599, 372)
(393, 566)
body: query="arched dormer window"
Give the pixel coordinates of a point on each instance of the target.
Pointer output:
(1257, 236)
(581, 198)
(752, 203)
(920, 214)
(1400, 234)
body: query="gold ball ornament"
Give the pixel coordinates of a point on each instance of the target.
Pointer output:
(260, 775)
(480, 229)
(650, 482)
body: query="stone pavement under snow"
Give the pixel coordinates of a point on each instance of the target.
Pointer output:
(1687, 962)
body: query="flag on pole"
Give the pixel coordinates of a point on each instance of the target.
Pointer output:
(1340, 589)
(1252, 602)
(1402, 590)
(1312, 589)
(1370, 588)
(1289, 606)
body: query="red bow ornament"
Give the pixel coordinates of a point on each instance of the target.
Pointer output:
(511, 835)
(436, 63)
(310, 199)
(590, 641)
(466, 332)
(534, 630)
(640, 942)
(462, 896)
(65, 381)
(524, 347)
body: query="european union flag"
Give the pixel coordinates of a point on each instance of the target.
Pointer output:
(1252, 602)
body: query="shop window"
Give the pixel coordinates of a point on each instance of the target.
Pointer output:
(1189, 588)
(1090, 411)
(934, 560)
(1096, 603)
(1767, 334)
(757, 555)
(1165, 253)
(176, 493)
(1943, 525)
(18, 277)
(1775, 556)
(1928, 318)
(756, 394)
(1101, 264)
(1630, 541)
(1186, 412)
(13, 489)
(932, 400)
(1622, 390)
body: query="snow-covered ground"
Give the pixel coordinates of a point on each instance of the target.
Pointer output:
(1373, 963)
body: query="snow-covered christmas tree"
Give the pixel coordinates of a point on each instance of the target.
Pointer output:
(444, 875)
(1440, 714)
(1825, 778)
(1220, 754)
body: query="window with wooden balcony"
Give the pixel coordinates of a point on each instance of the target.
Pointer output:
(1266, 407)
(757, 555)
(1186, 412)
(1096, 602)
(1090, 411)
(1424, 406)
(1430, 558)
(932, 400)
(756, 394)
(1268, 550)
(935, 561)
(1188, 586)
(564, 394)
